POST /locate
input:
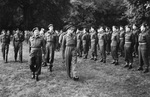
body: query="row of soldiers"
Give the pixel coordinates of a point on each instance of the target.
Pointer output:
(127, 42)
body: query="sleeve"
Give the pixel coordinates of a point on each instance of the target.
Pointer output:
(13, 40)
(64, 42)
(43, 46)
(148, 43)
(29, 45)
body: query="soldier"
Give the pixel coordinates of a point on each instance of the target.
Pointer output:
(85, 43)
(114, 45)
(42, 34)
(128, 47)
(136, 34)
(5, 39)
(17, 43)
(79, 43)
(94, 42)
(62, 44)
(37, 50)
(122, 41)
(50, 46)
(143, 48)
(71, 53)
(108, 40)
(102, 44)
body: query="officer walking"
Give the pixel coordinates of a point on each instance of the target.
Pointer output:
(108, 39)
(50, 46)
(37, 50)
(17, 43)
(143, 48)
(71, 53)
(5, 39)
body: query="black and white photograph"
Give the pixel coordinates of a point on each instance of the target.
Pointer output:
(74, 48)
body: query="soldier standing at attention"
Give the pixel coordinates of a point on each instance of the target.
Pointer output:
(5, 39)
(122, 41)
(17, 43)
(94, 43)
(85, 45)
(102, 44)
(143, 48)
(114, 45)
(108, 40)
(50, 46)
(128, 47)
(79, 42)
(37, 50)
(135, 32)
(71, 53)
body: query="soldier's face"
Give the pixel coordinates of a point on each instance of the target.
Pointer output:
(51, 28)
(127, 29)
(121, 28)
(142, 28)
(36, 33)
(134, 27)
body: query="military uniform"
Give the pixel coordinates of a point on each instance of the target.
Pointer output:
(79, 44)
(94, 42)
(102, 39)
(37, 48)
(108, 39)
(136, 34)
(5, 39)
(85, 44)
(70, 54)
(50, 48)
(17, 42)
(122, 42)
(63, 46)
(143, 50)
(128, 48)
(114, 47)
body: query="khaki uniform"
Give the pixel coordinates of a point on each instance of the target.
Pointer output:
(37, 47)
(50, 47)
(85, 44)
(115, 46)
(136, 35)
(5, 39)
(102, 39)
(94, 42)
(79, 44)
(122, 42)
(70, 55)
(63, 46)
(108, 39)
(128, 47)
(143, 49)
(17, 42)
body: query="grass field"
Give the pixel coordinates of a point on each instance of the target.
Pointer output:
(96, 79)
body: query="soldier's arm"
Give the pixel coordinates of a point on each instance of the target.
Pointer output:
(63, 42)
(148, 43)
(29, 46)
(43, 46)
(13, 40)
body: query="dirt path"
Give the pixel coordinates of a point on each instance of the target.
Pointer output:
(96, 80)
